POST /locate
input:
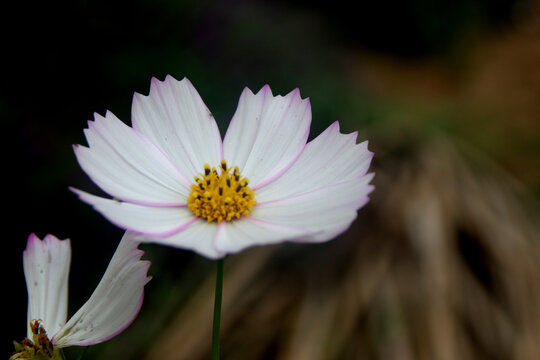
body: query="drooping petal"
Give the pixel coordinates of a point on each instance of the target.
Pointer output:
(149, 220)
(267, 134)
(128, 166)
(46, 269)
(326, 211)
(114, 304)
(235, 236)
(330, 158)
(199, 236)
(174, 117)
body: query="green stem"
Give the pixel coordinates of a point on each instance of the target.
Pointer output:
(81, 355)
(217, 310)
(62, 355)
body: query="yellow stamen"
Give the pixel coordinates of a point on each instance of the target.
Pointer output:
(217, 197)
(39, 347)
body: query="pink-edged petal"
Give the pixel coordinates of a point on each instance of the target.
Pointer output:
(330, 158)
(198, 236)
(267, 134)
(114, 304)
(150, 220)
(129, 166)
(46, 269)
(174, 117)
(245, 232)
(326, 211)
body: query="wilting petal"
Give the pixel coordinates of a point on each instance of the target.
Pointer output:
(267, 134)
(199, 235)
(114, 304)
(46, 269)
(128, 166)
(330, 158)
(235, 236)
(174, 117)
(149, 220)
(326, 211)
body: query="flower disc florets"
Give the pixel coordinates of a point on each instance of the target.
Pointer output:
(223, 195)
(39, 348)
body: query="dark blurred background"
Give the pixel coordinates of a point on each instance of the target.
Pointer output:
(402, 73)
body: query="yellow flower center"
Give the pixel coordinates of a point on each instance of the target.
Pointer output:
(223, 195)
(39, 348)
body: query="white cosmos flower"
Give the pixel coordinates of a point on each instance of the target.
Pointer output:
(175, 182)
(111, 308)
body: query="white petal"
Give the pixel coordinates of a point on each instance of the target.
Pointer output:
(128, 166)
(176, 119)
(198, 236)
(267, 134)
(245, 232)
(114, 304)
(150, 220)
(46, 269)
(326, 211)
(330, 158)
